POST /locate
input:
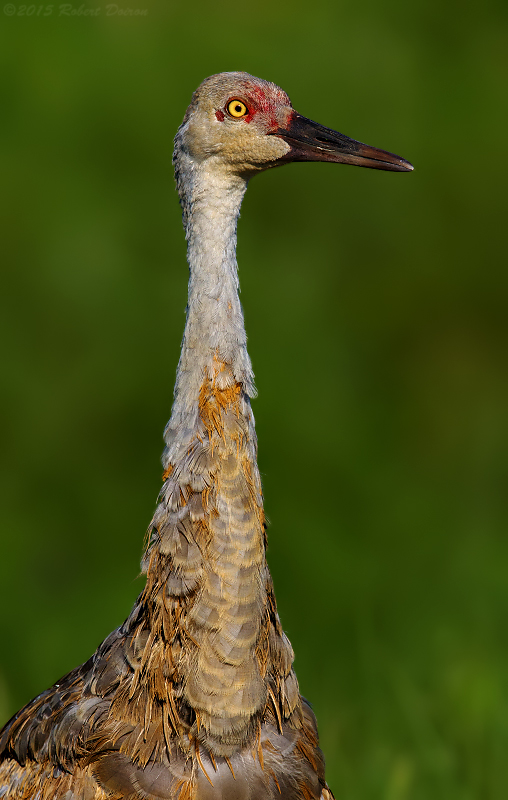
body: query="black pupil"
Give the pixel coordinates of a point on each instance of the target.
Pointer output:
(238, 108)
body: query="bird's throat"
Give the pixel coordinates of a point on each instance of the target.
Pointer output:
(214, 327)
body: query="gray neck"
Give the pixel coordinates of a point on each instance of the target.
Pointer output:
(209, 594)
(214, 328)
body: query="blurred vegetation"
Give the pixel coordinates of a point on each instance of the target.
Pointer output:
(376, 311)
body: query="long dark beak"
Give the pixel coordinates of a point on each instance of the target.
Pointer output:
(310, 141)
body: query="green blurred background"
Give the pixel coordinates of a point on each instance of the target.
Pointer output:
(375, 306)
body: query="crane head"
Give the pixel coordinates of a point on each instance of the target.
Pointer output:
(243, 124)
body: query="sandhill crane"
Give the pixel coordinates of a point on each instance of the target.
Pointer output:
(194, 697)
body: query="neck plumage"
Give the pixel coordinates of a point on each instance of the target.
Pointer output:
(209, 596)
(214, 331)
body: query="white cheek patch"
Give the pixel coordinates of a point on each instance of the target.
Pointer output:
(280, 145)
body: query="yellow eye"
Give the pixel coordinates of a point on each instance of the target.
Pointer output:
(237, 109)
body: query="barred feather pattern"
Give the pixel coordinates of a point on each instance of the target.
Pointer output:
(195, 695)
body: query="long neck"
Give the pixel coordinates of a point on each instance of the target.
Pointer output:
(214, 330)
(209, 597)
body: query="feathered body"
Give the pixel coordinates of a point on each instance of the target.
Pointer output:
(194, 697)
